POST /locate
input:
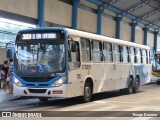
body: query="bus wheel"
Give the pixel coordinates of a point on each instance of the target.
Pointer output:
(43, 99)
(158, 82)
(136, 85)
(87, 92)
(128, 90)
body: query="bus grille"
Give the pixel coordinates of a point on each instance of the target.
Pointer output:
(38, 84)
(37, 79)
(37, 90)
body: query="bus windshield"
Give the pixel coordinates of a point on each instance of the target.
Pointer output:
(156, 64)
(35, 57)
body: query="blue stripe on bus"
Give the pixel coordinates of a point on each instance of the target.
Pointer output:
(49, 82)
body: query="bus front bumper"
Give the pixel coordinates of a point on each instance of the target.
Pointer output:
(54, 92)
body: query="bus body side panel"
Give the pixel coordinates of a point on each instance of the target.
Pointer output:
(117, 75)
(96, 72)
(127, 71)
(109, 82)
(143, 72)
(75, 84)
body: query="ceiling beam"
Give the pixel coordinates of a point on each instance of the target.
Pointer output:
(137, 6)
(110, 2)
(148, 14)
(153, 12)
(119, 11)
(156, 21)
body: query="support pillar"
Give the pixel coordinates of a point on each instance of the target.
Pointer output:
(118, 27)
(133, 25)
(145, 30)
(155, 41)
(99, 19)
(41, 13)
(75, 13)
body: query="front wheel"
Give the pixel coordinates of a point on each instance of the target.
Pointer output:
(87, 92)
(158, 82)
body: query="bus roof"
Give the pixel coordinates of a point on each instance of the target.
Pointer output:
(88, 35)
(104, 38)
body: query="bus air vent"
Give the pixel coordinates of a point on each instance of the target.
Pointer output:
(37, 90)
(37, 79)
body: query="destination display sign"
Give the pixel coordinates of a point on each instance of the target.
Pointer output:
(34, 36)
(41, 35)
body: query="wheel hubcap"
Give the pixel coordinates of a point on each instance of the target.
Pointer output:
(137, 84)
(87, 92)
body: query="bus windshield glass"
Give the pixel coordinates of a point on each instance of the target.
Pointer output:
(39, 57)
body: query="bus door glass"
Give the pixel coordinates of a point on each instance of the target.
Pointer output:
(73, 54)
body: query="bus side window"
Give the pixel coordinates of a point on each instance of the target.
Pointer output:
(116, 53)
(125, 54)
(149, 56)
(135, 55)
(74, 54)
(132, 55)
(120, 53)
(69, 51)
(128, 58)
(86, 50)
(96, 51)
(107, 51)
(141, 54)
(138, 55)
(146, 56)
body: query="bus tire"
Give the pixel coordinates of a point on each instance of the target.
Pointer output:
(128, 90)
(87, 92)
(43, 99)
(158, 82)
(136, 85)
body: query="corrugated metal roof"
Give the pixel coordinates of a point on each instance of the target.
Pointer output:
(144, 11)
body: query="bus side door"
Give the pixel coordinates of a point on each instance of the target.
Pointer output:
(74, 72)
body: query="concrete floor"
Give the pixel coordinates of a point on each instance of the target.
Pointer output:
(148, 99)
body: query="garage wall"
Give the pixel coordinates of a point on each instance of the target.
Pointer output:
(139, 35)
(108, 12)
(58, 12)
(108, 27)
(27, 8)
(125, 31)
(87, 21)
(150, 41)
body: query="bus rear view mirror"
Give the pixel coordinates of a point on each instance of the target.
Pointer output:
(73, 47)
(9, 53)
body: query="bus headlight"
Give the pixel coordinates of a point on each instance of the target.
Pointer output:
(17, 82)
(59, 82)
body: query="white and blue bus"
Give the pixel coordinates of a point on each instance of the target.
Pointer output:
(63, 63)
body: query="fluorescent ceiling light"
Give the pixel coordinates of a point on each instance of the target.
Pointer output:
(17, 23)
